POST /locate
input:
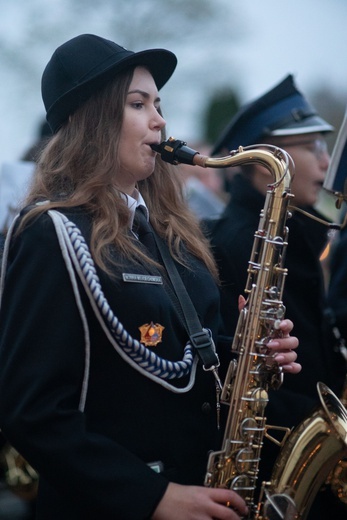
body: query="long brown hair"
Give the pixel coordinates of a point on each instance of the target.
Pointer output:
(79, 165)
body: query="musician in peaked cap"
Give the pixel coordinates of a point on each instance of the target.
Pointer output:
(283, 111)
(101, 386)
(284, 118)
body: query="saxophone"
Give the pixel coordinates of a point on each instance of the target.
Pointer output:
(312, 450)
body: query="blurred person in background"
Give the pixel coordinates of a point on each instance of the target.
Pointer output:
(283, 117)
(204, 188)
(337, 286)
(15, 178)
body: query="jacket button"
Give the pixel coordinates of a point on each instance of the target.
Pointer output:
(206, 408)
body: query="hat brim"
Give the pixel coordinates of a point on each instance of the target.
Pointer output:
(160, 62)
(308, 125)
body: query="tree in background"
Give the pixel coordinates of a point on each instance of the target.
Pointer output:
(195, 30)
(222, 106)
(331, 105)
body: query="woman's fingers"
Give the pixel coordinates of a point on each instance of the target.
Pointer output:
(283, 348)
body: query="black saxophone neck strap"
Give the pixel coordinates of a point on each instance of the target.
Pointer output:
(199, 337)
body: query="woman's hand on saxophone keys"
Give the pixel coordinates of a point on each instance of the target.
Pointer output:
(282, 348)
(199, 503)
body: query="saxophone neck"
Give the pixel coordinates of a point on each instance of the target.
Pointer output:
(276, 160)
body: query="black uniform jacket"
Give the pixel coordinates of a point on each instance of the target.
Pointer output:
(337, 294)
(93, 463)
(232, 239)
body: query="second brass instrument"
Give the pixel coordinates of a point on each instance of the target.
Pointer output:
(19, 476)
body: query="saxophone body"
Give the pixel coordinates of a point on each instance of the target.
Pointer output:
(245, 391)
(309, 453)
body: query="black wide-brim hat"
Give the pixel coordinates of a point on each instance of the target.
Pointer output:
(83, 65)
(282, 111)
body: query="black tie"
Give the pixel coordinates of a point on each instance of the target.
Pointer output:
(145, 232)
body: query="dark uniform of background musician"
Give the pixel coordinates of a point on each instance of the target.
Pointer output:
(337, 293)
(283, 117)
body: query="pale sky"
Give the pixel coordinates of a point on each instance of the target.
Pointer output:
(274, 38)
(307, 38)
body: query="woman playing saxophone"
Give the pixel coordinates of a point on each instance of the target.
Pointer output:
(103, 388)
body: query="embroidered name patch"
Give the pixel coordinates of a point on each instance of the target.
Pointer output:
(142, 278)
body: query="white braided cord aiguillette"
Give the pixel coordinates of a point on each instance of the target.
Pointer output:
(138, 352)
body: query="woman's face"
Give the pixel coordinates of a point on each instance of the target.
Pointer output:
(142, 125)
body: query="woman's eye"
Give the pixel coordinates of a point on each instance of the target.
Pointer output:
(137, 104)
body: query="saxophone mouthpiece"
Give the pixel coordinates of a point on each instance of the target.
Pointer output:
(175, 151)
(156, 148)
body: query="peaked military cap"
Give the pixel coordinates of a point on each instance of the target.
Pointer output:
(283, 110)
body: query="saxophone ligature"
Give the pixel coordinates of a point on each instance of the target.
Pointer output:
(309, 453)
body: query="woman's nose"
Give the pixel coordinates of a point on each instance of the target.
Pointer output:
(158, 120)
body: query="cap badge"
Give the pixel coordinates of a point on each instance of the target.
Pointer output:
(151, 334)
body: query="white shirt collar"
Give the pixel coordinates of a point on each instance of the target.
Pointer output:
(133, 201)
